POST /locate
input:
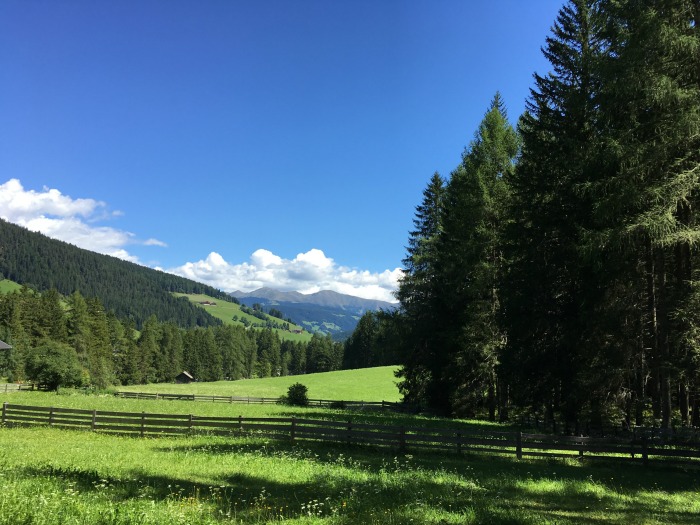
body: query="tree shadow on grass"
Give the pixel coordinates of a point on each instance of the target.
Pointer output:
(362, 484)
(543, 487)
(397, 419)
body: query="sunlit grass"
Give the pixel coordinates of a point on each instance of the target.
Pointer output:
(366, 384)
(226, 311)
(51, 476)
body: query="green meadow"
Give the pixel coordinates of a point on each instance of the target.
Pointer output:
(226, 311)
(7, 286)
(367, 384)
(51, 476)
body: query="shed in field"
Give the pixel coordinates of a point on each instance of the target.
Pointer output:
(4, 346)
(184, 377)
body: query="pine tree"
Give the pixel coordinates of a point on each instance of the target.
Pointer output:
(151, 358)
(550, 288)
(469, 265)
(652, 137)
(417, 295)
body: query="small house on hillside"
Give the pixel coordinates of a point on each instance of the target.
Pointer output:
(184, 377)
(4, 346)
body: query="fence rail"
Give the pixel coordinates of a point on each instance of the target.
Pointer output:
(348, 432)
(369, 405)
(16, 387)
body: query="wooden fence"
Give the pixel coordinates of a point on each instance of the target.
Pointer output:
(16, 387)
(369, 405)
(403, 438)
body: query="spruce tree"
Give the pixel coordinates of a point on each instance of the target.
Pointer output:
(550, 287)
(469, 265)
(417, 295)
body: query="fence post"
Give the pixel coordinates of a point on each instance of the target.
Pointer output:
(4, 412)
(459, 443)
(240, 423)
(519, 445)
(645, 452)
(402, 439)
(349, 434)
(51, 416)
(94, 420)
(293, 430)
(190, 425)
(581, 450)
(143, 423)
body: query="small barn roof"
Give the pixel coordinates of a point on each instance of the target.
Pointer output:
(4, 346)
(186, 374)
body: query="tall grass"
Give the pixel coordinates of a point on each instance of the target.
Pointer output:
(50, 476)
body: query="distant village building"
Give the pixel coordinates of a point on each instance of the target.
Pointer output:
(184, 378)
(4, 346)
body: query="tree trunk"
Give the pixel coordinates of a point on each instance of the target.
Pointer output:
(683, 403)
(663, 323)
(652, 331)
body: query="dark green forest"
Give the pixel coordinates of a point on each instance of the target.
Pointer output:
(67, 333)
(129, 290)
(555, 270)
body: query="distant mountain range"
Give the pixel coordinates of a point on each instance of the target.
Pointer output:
(325, 312)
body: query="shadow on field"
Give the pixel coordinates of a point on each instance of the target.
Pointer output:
(359, 483)
(377, 417)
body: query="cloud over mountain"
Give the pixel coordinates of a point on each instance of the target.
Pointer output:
(308, 272)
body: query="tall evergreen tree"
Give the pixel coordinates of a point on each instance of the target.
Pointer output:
(469, 265)
(550, 290)
(417, 295)
(652, 137)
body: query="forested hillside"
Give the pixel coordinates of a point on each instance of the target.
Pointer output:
(129, 290)
(556, 269)
(73, 340)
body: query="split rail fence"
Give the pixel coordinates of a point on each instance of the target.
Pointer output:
(404, 438)
(376, 405)
(16, 387)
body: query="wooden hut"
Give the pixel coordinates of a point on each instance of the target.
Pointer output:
(184, 377)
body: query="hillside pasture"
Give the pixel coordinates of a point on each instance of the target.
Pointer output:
(225, 311)
(84, 477)
(365, 384)
(7, 286)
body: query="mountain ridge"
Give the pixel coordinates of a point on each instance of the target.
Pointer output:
(326, 312)
(322, 298)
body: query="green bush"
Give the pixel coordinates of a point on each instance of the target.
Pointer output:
(297, 395)
(54, 365)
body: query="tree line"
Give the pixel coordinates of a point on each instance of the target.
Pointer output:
(556, 269)
(130, 290)
(79, 335)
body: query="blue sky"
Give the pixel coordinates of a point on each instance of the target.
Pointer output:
(250, 143)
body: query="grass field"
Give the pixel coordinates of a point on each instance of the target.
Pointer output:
(225, 311)
(7, 286)
(52, 476)
(367, 384)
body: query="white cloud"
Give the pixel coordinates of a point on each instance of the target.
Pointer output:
(71, 220)
(307, 273)
(154, 242)
(76, 221)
